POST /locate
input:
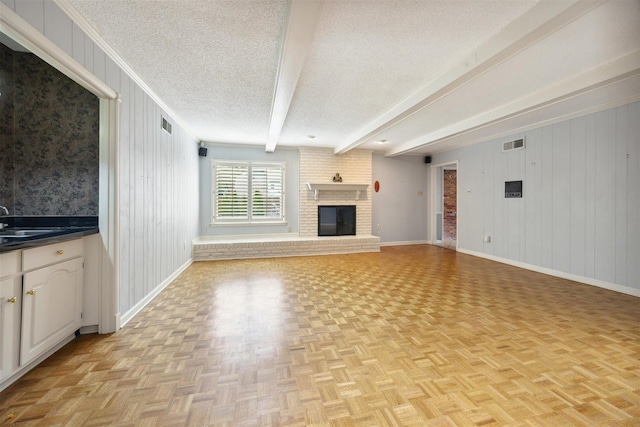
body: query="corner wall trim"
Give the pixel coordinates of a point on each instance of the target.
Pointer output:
(125, 318)
(556, 273)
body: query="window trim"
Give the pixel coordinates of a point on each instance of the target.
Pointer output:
(247, 221)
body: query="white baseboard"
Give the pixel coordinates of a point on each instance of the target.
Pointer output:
(404, 243)
(556, 273)
(125, 318)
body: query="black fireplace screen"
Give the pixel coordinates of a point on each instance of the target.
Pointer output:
(336, 220)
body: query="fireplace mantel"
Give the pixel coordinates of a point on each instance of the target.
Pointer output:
(337, 186)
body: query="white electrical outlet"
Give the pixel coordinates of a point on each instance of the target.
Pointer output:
(487, 239)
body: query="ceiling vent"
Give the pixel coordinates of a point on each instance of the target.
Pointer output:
(166, 125)
(513, 145)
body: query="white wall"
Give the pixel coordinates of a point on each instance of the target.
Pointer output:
(158, 189)
(290, 157)
(400, 207)
(580, 211)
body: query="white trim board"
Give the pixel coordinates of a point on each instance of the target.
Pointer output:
(37, 43)
(125, 318)
(556, 273)
(109, 214)
(405, 243)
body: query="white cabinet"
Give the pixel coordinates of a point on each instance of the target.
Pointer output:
(10, 305)
(51, 297)
(52, 307)
(41, 303)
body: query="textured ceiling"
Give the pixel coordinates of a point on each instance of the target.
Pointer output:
(214, 63)
(414, 73)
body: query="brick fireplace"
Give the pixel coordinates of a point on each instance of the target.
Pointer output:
(318, 166)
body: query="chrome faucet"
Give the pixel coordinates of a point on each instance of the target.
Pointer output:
(3, 225)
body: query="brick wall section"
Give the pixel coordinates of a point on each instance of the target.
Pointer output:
(450, 204)
(318, 166)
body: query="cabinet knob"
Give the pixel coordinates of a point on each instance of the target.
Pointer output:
(31, 292)
(60, 252)
(12, 300)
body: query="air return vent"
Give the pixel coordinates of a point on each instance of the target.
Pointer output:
(513, 145)
(166, 125)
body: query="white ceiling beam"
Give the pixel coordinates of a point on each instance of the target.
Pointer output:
(612, 72)
(303, 18)
(542, 20)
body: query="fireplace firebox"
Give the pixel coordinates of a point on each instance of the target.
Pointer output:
(336, 220)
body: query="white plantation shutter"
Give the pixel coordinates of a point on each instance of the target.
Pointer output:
(246, 192)
(232, 192)
(266, 192)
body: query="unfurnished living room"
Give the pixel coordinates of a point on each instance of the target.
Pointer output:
(320, 212)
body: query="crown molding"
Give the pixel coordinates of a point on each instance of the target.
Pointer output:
(94, 35)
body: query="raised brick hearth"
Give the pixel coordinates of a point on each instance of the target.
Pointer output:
(279, 245)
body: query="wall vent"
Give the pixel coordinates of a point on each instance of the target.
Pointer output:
(166, 125)
(513, 145)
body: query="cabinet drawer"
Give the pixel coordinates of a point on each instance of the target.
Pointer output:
(45, 255)
(10, 263)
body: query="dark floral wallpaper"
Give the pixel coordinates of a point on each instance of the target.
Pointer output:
(7, 136)
(56, 142)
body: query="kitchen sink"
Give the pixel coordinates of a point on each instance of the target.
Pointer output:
(24, 233)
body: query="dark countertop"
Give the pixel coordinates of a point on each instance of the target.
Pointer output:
(62, 228)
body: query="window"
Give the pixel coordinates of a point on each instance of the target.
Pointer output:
(246, 192)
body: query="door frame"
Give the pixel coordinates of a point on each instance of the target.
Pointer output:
(436, 170)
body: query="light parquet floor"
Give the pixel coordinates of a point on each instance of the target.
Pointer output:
(410, 336)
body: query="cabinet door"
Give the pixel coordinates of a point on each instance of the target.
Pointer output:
(10, 300)
(52, 307)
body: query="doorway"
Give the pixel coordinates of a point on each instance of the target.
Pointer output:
(450, 207)
(444, 212)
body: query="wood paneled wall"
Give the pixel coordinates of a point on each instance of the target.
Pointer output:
(580, 211)
(158, 175)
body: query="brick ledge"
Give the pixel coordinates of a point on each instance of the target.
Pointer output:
(207, 248)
